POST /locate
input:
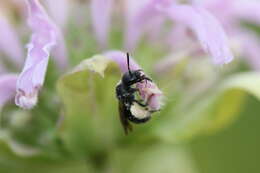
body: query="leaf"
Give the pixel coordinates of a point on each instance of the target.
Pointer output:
(214, 111)
(97, 64)
(90, 106)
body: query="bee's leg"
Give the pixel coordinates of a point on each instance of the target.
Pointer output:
(127, 127)
(141, 104)
(133, 90)
(146, 78)
(124, 114)
(143, 77)
(152, 111)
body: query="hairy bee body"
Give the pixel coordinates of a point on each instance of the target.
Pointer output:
(131, 109)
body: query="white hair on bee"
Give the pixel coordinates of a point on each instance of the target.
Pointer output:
(139, 111)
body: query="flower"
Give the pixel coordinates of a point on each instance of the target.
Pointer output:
(208, 30)
(206, 27)
(101, 13)
(231, 14)
(9, 43)
(44, 38)
(47, 38)
(7, 88)
(60, 16)
(77, 112)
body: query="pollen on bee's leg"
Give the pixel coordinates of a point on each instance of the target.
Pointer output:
(151, 95)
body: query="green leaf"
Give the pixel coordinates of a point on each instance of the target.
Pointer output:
(90, 106)
(216, 110)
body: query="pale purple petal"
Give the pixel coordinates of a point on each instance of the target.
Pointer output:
(120, 58)
(9, 42)
(148, 90)
(7, 88)
(222, 9)
(42, 41)
(155, 29)
(138, 15)
(232, 11)
(2, 68)
(133, 28)
(251, 53)
(59, 10)
(207, 29)
(247, 10)
(60, 16)
(101, 15)
(60, 53)
(179, 37)
(250, 46)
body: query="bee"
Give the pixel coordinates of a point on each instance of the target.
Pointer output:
(131, 109)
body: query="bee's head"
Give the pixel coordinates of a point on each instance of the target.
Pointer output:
(132, 77)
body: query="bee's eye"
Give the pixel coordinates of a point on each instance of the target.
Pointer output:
(137, 74)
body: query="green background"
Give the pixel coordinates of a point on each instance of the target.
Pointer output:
(234, 149)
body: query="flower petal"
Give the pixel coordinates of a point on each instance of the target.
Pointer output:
(247, 10)
(206, 27)
(231, 12)
(120, 58)
(133, 31)
(60, 53)
(148, 90)
(7, 88)
(60, 15)
(250, 46)
(2, 68)
(9, 42)
(43, 39)
(138, 15)
(101, 15)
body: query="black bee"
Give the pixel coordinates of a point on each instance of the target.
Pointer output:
(131, 109)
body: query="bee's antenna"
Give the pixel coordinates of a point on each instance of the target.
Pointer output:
(128, 64)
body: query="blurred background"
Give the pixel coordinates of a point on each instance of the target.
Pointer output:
(234, 149)
(209, 117)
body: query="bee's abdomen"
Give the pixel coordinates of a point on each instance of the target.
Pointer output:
(139, 114)
(136, 120)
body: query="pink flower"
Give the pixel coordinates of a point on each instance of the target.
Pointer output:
(61, 14)
(101, 15)
(7, 88)
(44, 38)
(231, 13)
(205, 26)
(9, 42)
(207, 29)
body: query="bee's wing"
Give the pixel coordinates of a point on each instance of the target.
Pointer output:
(123, 117)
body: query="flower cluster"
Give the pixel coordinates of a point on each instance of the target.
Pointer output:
(186, 48)
(47, 36)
